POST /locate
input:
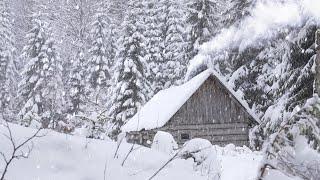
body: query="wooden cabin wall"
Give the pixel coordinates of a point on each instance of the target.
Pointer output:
(211, 113)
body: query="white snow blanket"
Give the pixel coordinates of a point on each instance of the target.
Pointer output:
(158, 111)
(63, 157)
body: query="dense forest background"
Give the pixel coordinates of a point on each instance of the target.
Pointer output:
(87, 66)
(91, 64)
(83, 63)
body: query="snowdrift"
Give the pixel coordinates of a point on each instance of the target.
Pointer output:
(64, 157)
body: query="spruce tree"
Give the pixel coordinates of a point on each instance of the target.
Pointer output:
(116, 11)
(201, 18)
(154, 39)
(236, 11)
(40, 87)
(77, 84)
(300, 130)
(175, 46)
(99, 62)
(7, 70)
(131, 88)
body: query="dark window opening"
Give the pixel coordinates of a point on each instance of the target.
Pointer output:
(185, 136)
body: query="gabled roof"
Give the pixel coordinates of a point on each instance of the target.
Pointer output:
(159, 110)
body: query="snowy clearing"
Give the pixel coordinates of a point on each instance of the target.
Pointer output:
(59, 156)
(65, 157)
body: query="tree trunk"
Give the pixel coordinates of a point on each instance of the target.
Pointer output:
(317, 63)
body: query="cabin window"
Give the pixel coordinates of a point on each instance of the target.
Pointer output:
(185, 136)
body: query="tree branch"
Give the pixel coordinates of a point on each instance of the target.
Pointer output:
(17, 152)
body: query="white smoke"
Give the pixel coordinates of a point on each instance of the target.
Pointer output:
(267, 18)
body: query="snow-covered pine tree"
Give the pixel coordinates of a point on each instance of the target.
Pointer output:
(22, 23)
(175, 45)
(131, 88)
(259, 72)
(77, 84)
(53, 91)
(99, 63)
(40, 87)
(113, 44)
(76, 18)
(7, 69)
(116, 11)
(154, 34)
(317, 62)
(201, 18)
(299, 131)
(232, 11)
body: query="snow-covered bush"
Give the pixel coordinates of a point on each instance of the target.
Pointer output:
(95, 125)
(204, 156)
(164, 142)
(294, 148)
(198, 149)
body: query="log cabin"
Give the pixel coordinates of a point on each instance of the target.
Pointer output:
(204, 107)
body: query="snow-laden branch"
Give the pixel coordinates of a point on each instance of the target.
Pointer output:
(17, 149)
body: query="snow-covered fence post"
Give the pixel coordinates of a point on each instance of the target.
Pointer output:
(317, 62)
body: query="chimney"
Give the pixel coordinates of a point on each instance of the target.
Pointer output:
(317, 62)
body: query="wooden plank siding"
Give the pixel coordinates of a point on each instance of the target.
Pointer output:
(212, 113)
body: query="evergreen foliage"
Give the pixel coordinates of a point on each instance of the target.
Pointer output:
(201, 18)
(7, 69)
(175, 45)
(99, 62)
(77, 92)
(154, 34)
(41, 84)
(131, 87)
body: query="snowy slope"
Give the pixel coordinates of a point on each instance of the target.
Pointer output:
(63, 157)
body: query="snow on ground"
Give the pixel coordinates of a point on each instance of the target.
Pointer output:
(164, 142)
(64, 157)
(225, 163)
(239, 163)
(276, 175)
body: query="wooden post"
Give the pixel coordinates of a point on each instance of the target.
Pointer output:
(317, 63)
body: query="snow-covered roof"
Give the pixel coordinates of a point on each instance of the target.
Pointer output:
(158, 111)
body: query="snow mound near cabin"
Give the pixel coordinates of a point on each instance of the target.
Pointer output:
(223, 163)
(164, 142)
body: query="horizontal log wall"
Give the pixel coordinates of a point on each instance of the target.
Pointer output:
(221, 135)
(211, 113)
